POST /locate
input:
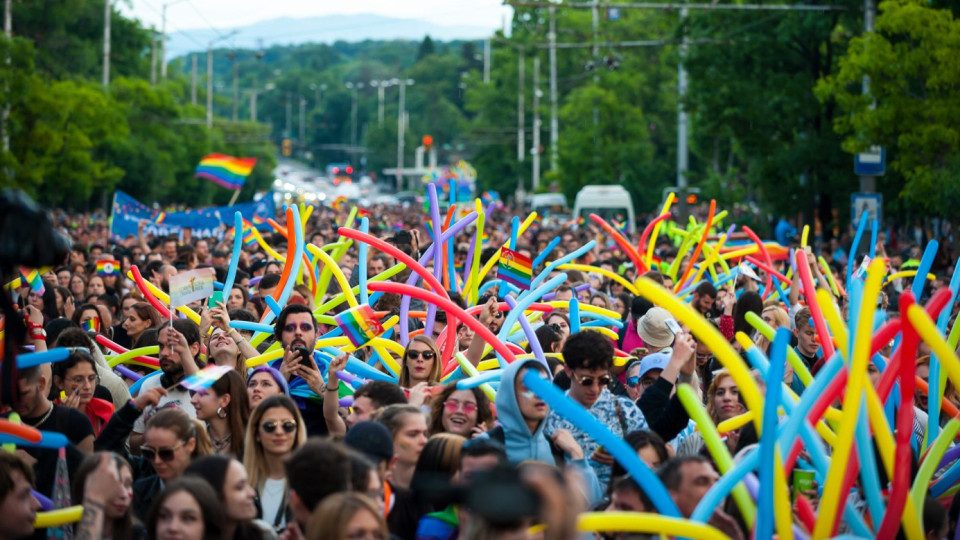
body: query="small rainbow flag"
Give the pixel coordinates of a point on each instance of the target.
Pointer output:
(160, 217)
(621, 226)
(33, 278)
(225, 171)
(92, 325)
(359, 324)
(108, 267)
(485, 239)
(515, 268)
(362, 212)
(204, 379)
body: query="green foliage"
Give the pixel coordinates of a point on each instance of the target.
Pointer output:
(914, 81)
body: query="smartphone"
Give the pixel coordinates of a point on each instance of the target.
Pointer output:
(217, 297)
(674, 326)
(803, 481)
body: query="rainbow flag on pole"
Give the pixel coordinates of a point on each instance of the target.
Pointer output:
(108, 267)
(225, 171)
(204, 379)
(33, 278)
(515, 268)
(359, 324)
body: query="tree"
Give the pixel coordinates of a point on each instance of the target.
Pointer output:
(426, 48)
(914, 104)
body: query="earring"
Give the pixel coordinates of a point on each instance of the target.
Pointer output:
(221, 413)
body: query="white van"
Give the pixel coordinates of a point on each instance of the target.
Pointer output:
(612, 203)
(549, 204)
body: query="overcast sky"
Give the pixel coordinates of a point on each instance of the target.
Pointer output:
(189, 14)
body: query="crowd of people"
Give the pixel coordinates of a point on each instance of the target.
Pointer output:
(272, 452)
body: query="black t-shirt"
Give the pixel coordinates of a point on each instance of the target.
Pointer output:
(72, 423)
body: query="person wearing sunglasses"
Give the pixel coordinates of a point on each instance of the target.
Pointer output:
(296, 330)
(421, 367)
(460, 412)
(589, 358)
(275, 430)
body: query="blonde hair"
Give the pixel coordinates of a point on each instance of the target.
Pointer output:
(254, 459)
(330, 519)
(780, 318)
(434, 376)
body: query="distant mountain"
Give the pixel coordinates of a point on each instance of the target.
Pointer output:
(325, 29)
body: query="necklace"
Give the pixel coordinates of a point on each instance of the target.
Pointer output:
(42, 418)
(219, 444)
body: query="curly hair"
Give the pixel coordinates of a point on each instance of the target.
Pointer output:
(588, 350)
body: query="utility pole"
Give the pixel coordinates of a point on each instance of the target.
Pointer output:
(303, 120)
(381, 87)
(236, 83)
(193, 79)
(535, 183)
(253, 94)
(163, 38)
(153, 57)
(210, 86)
(682, 125)
(106, 40)
(868, 184)
(355, 88)
(554, 122)
(5, 114)
(486, 61)
(289, 110)
(521, 128)
(400, 127)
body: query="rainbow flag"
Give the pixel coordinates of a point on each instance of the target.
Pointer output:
(363, 213)
(108, 267)
(92, 325)
(621, 226)
(160, 217)
(338, 202)
(33, 278)
(515, 268)
(359, 324)
(225, 171)
(204, 379)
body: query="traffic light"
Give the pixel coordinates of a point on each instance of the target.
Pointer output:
(427, 141)
(692, 198)
(286, 148)
(349, 169)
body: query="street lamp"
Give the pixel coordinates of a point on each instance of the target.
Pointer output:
(401, 114)
(381, 86)
(319, 89)
(355, 87)
(163, 38)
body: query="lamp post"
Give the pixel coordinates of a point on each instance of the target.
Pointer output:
(401, 114)
(381, 87)
(163, 37)
(355, 88)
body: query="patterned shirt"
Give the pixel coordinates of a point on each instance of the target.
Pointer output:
(604, 410)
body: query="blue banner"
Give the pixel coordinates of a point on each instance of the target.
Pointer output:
(204, 222)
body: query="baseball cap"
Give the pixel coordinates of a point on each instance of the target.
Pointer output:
(657, 360)
(372, 439)
(652, 328)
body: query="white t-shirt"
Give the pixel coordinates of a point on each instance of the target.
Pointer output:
(271, 498)
(179, 396)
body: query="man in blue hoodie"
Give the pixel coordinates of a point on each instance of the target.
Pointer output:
(522, 416)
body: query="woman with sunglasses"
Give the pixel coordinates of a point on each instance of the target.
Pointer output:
(224, 408)
(275, 430)
(460, 412)
(229, 481)
(421, 367)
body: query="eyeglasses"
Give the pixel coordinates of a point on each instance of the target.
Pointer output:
(453, 405)
(288, 426)
(588, 381)
(632, 381)
(79, 380)
(413, 355)
(304, 327)
(165, 454)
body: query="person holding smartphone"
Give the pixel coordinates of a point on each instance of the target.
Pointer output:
(296, 330)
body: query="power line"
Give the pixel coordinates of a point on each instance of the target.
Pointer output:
(204, 19)
(177, 29)
(673, 5)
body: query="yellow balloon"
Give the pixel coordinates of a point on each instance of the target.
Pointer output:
(60, 516)
(165, 298)
(736, 422)
(471, 371)
(264, 358)
(329, 263)
(851, 404)
(114, 361)
(602, 271)
(906, 273)
(647, 523)
(602, 330)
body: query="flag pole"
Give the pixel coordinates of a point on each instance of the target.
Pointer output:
(233, 199)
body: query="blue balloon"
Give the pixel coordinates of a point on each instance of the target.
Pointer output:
(49, 439)
(135, 387)
(620, 450)
(59, 354)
